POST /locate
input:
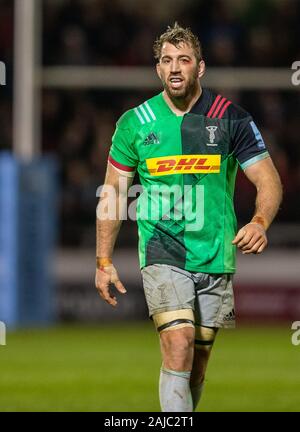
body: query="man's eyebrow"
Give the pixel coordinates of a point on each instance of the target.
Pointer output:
(180, 56)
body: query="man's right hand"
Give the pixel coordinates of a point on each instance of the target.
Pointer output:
(104, 277)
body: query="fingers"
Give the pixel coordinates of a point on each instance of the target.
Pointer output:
(103, 280)
(261, 248)
(251, 239)
(105, 294)
(239, 236)
(116, 281)
(245, 240)
(103, 290)
(257, 248)
(120, 287)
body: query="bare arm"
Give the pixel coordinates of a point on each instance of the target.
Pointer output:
(252, 237)
(112, 204)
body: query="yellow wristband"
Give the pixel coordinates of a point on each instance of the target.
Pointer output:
(103, 262)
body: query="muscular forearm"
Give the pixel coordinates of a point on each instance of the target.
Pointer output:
(268, 199)
(108, 227)
(107, 232)
(110, 210)
(252, 238)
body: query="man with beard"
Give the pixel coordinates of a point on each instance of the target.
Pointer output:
(188, 142)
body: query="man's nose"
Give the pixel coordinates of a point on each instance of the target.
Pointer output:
(175, 67)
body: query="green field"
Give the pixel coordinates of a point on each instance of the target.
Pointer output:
(116, 368)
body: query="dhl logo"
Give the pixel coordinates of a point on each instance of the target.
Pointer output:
(184, 164)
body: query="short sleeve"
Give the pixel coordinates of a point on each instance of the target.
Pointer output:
(248, 144)
(122, 154)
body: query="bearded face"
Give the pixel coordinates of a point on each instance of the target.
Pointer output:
(178, 70)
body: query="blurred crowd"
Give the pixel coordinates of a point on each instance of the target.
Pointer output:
(121, 32)
(78, 125)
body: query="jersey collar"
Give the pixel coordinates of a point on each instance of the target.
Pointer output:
(203, 103)
(201, 106)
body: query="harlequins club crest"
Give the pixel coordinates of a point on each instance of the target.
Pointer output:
(212, 136)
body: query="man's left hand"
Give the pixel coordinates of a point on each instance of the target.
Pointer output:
(251, 238)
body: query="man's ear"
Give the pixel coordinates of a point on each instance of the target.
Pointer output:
(201, 69)
(158, 70)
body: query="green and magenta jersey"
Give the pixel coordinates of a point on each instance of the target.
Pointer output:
(187, 167)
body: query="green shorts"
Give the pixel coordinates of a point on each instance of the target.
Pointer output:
(169, 288)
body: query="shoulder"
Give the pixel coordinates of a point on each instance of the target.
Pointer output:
(236, 112)
(127, 120)
(144, 113)
(222, 107)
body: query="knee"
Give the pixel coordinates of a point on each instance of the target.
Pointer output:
(177, 348)
(177, 340)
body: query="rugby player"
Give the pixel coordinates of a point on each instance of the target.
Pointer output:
(194, 139)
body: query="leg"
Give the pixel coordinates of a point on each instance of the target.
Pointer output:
(170, 295)
(203, 345)
(214, 308)
(177, 349)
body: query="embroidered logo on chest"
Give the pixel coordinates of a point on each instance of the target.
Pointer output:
(152, 138)
(211, 135)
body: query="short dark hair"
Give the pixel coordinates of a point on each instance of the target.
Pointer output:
(177, 35)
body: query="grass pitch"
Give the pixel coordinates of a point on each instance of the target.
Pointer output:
(114, 368)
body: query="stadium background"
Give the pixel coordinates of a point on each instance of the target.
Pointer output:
(66, 349)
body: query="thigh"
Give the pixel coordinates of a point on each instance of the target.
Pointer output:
(167, 288)
(214, 301)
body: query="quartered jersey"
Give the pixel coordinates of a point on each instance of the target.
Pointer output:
(187, 167)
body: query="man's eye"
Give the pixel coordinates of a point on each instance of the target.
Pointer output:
(165, 61)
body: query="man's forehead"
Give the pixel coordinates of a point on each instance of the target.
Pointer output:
(182, 49)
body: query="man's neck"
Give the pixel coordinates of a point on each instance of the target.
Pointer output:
(184, 105)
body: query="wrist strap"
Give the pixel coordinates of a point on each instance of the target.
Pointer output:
(259, 220)
(103, 262)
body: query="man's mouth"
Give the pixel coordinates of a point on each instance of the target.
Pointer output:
(176, 82)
